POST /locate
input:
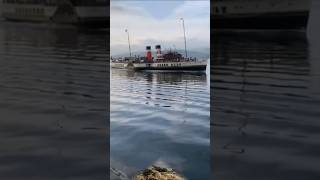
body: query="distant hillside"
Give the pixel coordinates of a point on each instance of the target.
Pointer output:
(198, 54)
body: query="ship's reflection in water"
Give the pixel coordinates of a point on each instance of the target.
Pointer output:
(160, 118)
(266, 96)
(52, 103)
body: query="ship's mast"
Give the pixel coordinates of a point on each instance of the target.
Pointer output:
(185, 41)
(128, 41)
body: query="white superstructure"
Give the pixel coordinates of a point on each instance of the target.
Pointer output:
(260, 13)
(241, 7)
(182, 65)
(27, 11)
(59, 11)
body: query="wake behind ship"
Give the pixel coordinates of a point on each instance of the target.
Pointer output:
(260, 14)
(78, 12)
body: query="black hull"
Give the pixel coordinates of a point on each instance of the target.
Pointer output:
(94, 22)
(292, 20)
(193, 68)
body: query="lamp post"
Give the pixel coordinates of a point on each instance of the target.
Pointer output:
(128, 41)
(185, 41)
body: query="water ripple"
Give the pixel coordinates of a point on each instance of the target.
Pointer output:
(163, 115)
(265, 113)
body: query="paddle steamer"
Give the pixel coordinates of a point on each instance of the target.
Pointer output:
(169, 61)
(260, 14)
(80, 12)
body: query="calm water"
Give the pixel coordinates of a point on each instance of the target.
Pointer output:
(266, 105)
(53, 103)
(160, 118)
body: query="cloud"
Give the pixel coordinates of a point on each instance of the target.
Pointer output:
(194, 9)
(145, 27)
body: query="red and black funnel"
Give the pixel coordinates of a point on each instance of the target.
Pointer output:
(148, 53)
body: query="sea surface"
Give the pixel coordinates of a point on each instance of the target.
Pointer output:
(160, 118)
(265, 116)
(53, 102)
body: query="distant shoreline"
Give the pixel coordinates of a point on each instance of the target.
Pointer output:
(191, 53)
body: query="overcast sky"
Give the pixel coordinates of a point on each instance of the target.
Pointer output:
(158, 22)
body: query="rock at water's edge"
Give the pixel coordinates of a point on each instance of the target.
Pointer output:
(158, 173)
